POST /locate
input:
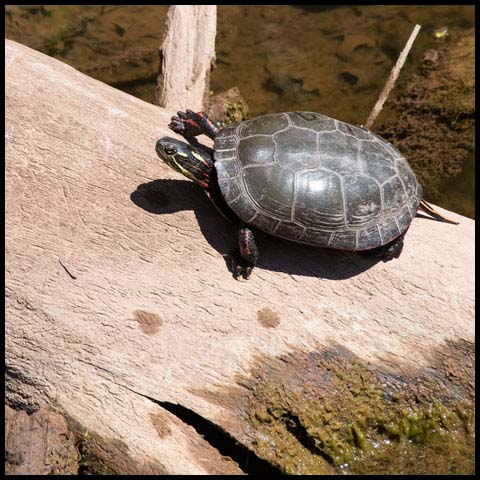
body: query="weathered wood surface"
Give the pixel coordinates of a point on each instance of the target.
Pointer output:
(39, 443)
(186, 56)
(152, 311)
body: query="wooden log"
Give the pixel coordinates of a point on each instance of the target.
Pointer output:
(119, 304)
(39, 444)
(186, 56)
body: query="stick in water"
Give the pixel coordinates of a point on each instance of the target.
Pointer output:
(426, 207)
(392, 78)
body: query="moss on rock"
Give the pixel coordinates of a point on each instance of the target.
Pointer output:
(228, 107)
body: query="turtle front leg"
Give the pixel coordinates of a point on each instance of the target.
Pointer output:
(190, 124)
(244, 263)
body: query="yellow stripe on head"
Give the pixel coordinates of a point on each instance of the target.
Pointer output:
(197, 155)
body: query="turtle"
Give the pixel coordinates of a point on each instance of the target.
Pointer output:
(300, 176)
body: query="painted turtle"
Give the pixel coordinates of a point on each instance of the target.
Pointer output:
(301, 176)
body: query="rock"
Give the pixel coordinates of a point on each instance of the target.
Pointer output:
(228, 107)
(352, 44)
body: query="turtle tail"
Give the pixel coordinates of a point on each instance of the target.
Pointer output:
(426, 207)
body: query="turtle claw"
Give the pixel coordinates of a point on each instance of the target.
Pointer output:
(244, 272)
(177, 125)
(238, 266)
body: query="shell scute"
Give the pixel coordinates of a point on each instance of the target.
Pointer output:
(363, 199)
(294, 154)
(369, 236)
(256, 150)
(393, 195)
(270, 188)
(319, 200)
(264, 125)
(290, 230)
(314, 121)
(339, 153)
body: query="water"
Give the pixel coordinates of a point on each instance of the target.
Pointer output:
(329, 59)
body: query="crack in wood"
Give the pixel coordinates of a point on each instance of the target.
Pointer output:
(220, 439)
(66, 269)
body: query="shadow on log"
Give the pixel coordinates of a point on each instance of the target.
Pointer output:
(164, 197)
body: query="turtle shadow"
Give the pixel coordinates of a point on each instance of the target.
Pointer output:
(164, 196)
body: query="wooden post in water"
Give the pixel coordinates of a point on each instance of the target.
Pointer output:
(186, 56)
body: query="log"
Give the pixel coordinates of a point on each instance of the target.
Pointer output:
(121, 312)
(39, 443)
(186, 57)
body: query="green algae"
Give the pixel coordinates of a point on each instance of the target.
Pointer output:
(334, 413)
(237, 112)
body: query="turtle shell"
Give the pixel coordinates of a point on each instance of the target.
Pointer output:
(312, 179)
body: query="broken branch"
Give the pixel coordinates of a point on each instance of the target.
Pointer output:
(390, 83)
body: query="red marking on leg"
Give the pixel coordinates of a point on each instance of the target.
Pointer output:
(247, 246)
(192, 122)
(212, 126)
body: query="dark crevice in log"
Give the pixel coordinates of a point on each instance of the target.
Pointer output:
(218, 438)
(221, 440)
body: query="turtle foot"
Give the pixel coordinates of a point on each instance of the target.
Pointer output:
(393, 251)
(184, 125)
(191, 124)
(238, 266)
(188, 123)
(390, 250)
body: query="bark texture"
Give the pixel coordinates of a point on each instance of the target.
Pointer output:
(186, 56)
(118, 297)
(39, 443)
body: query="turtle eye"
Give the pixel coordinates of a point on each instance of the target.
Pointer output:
(170, 150)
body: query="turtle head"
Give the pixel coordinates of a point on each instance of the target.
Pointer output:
(185, 159)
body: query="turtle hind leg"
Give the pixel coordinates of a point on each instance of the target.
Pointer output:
(244, 260)
(391, 250)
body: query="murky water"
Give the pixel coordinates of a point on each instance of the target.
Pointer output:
(328, 59)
